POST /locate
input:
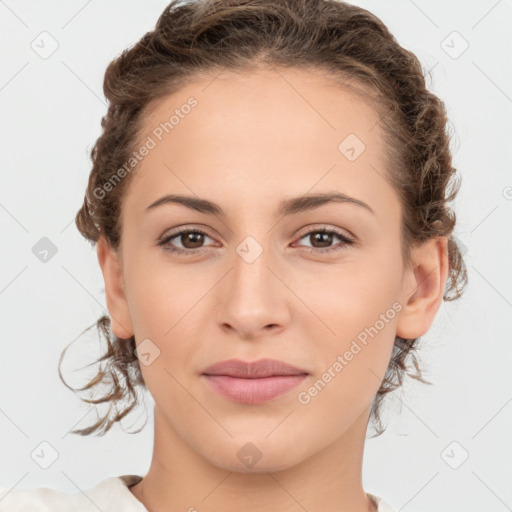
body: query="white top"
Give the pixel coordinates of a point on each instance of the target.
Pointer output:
(110, 495)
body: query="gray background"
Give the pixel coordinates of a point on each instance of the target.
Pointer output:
(51, 110)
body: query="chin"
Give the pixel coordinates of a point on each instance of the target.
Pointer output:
(255, 454)
(264, 465)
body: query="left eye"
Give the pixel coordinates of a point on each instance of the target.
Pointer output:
(194, 238)
(325, 236)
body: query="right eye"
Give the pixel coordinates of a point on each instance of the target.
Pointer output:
(186, 236)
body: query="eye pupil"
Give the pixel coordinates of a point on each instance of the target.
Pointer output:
(197, 239)
(322, 238)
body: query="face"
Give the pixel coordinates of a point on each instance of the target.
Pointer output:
(258, 278)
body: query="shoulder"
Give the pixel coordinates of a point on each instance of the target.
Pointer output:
(381, 504)
(41, 499)
(109, 495)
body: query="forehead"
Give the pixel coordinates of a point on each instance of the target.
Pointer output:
(276, 132)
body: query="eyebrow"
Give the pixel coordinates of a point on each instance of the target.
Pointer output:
(287, 207)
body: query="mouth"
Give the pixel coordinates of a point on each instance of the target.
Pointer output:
(253, 382)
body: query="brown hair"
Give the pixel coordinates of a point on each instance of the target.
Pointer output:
(338, 39)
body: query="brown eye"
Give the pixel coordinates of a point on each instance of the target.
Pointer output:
(187, 241)
(322, 239)
(191, 239)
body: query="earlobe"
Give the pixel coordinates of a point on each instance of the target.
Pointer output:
(117, 304)
(424, 285)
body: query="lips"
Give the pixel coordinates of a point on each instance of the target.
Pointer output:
(253, 370)
(253, 382)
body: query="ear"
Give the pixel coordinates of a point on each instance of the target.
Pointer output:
(117, 304)
(424, 284)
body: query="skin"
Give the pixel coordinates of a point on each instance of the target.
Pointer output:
(255, 139)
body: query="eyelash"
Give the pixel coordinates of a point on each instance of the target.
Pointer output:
(189, 252)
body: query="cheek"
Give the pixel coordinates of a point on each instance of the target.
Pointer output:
(358, 302)
(353, 360)
(351, 297)
(164, 306)
(158, 296)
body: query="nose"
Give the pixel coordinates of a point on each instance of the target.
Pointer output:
(253, 300)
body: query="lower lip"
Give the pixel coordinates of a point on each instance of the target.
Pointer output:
(253, 391)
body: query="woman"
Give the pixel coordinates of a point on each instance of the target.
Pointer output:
(269, 202)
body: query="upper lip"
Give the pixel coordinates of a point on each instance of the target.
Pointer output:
(253, 369)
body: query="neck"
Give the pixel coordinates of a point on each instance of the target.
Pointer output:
(181, 479)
